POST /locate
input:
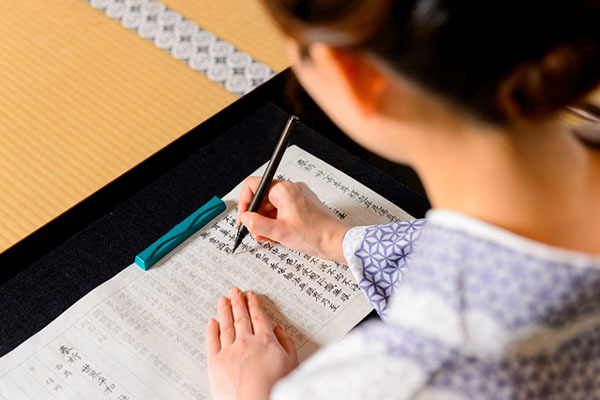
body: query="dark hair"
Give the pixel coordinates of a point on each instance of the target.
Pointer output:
(498, 60)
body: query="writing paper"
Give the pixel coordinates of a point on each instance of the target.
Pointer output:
(140, 335)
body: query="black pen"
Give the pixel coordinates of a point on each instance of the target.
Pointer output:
(267, 178)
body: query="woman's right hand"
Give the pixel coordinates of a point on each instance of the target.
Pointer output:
(293, 215)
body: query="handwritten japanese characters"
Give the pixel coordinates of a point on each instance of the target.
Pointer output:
(141, 334)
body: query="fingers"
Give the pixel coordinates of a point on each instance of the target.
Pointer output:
(265, 227)
(213, 344)
(226, 330)
(266, 208)
(259, 238)
(286, 342)
(241, 318)
(285, 192)
(260, 322)
(280, 191)
(248, 189)
(306, 190)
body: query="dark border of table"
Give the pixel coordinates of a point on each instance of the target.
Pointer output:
(283, 90)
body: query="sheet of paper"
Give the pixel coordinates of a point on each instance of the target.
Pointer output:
(140, 335)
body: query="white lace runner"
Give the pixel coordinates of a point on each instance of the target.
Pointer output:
(219, 60)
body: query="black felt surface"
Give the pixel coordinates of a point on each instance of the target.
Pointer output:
(40, 293)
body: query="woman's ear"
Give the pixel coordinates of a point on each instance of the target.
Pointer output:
(359, 79)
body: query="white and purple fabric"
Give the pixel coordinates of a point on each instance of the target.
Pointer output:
(470, 311)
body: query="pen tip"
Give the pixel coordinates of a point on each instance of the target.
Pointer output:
(238, 240)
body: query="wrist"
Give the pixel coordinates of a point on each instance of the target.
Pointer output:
(253, 394)
(332, 242)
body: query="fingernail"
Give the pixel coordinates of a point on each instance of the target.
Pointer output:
(222, 300)
(250, 294)
(234, 292)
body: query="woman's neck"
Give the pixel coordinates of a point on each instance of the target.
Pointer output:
(541, 183)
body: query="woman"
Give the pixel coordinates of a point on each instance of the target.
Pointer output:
(501, 293)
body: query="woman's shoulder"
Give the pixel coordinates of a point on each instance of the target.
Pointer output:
(473, 236)
(477, 287)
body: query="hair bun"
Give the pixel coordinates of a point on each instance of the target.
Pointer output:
(561, 77)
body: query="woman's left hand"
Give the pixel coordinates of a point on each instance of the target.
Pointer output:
(245, 355)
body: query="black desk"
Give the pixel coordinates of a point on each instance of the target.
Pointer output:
(55, 266)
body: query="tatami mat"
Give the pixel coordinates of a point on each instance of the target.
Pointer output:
(83, 99)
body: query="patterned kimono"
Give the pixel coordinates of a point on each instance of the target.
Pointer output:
(469, 311)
